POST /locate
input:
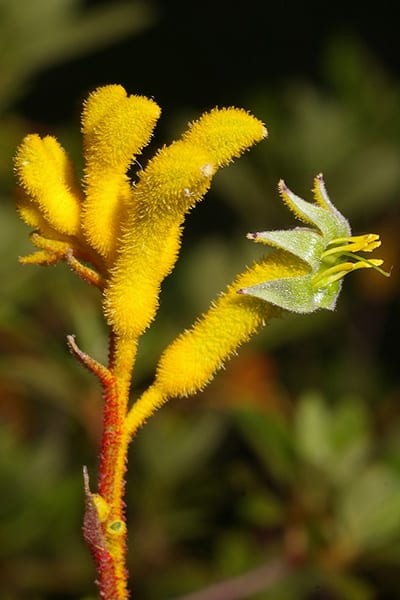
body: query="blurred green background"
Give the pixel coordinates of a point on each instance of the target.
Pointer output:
(282, 479)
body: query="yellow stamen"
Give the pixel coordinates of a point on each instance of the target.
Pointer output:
(357, 243)
(327, 276)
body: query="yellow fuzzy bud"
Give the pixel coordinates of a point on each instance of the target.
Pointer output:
(193, 358)
(98, 103)
(191, 361)
(226, 133)
(167, 189)
(51, 251)
(173, 181)
(45, 173)
(116, 127)
(31, 215)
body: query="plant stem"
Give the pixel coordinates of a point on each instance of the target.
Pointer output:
(105, 520)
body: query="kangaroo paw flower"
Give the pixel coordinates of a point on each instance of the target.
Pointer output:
(171, 184)
(115, 127)
(325, 248)
(124, 238)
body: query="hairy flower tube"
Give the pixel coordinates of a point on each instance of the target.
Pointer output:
(124, 237)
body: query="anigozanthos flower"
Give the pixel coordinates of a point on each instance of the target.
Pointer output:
(124, 238)
(329, 249)
(303, 274)
(171, 184)
(129, 233)
(115, 129)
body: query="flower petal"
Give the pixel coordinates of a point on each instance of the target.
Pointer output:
(46, 174)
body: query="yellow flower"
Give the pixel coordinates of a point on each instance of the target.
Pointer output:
(190, 362)
(226, 133)
(130, 233)
(52, 196)
(115, 127)
(124, 238)
(174, 180)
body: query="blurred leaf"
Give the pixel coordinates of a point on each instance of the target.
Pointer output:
(369, 509)
(35, 35)
(350, 437)
(269, 436)
(312, 431)
(262, 509)
(348, 587)
(334, 439)
(172, 451)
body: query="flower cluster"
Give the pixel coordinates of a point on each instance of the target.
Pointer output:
(124, 238)
(130, 234)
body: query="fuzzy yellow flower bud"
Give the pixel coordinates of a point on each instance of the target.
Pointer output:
(51, 250)
(191, 361)
(173, 181)
(116, 127)
(30, 213)
(226, 133)
(45, 173)
(99, 102)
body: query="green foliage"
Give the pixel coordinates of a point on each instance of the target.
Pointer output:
(36, 35)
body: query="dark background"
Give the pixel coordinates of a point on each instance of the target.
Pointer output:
(212, 53)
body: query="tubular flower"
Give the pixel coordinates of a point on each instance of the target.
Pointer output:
(171, 184)
(115, 129)
(226, 133)
(131, 234)
(328, 249)
(303, 274)
(190, 362)
(173, 181)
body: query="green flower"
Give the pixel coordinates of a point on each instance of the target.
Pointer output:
(328, 248)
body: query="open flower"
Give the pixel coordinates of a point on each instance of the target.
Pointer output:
(328, 249)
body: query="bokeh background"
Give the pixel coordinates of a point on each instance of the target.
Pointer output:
(282, 479)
